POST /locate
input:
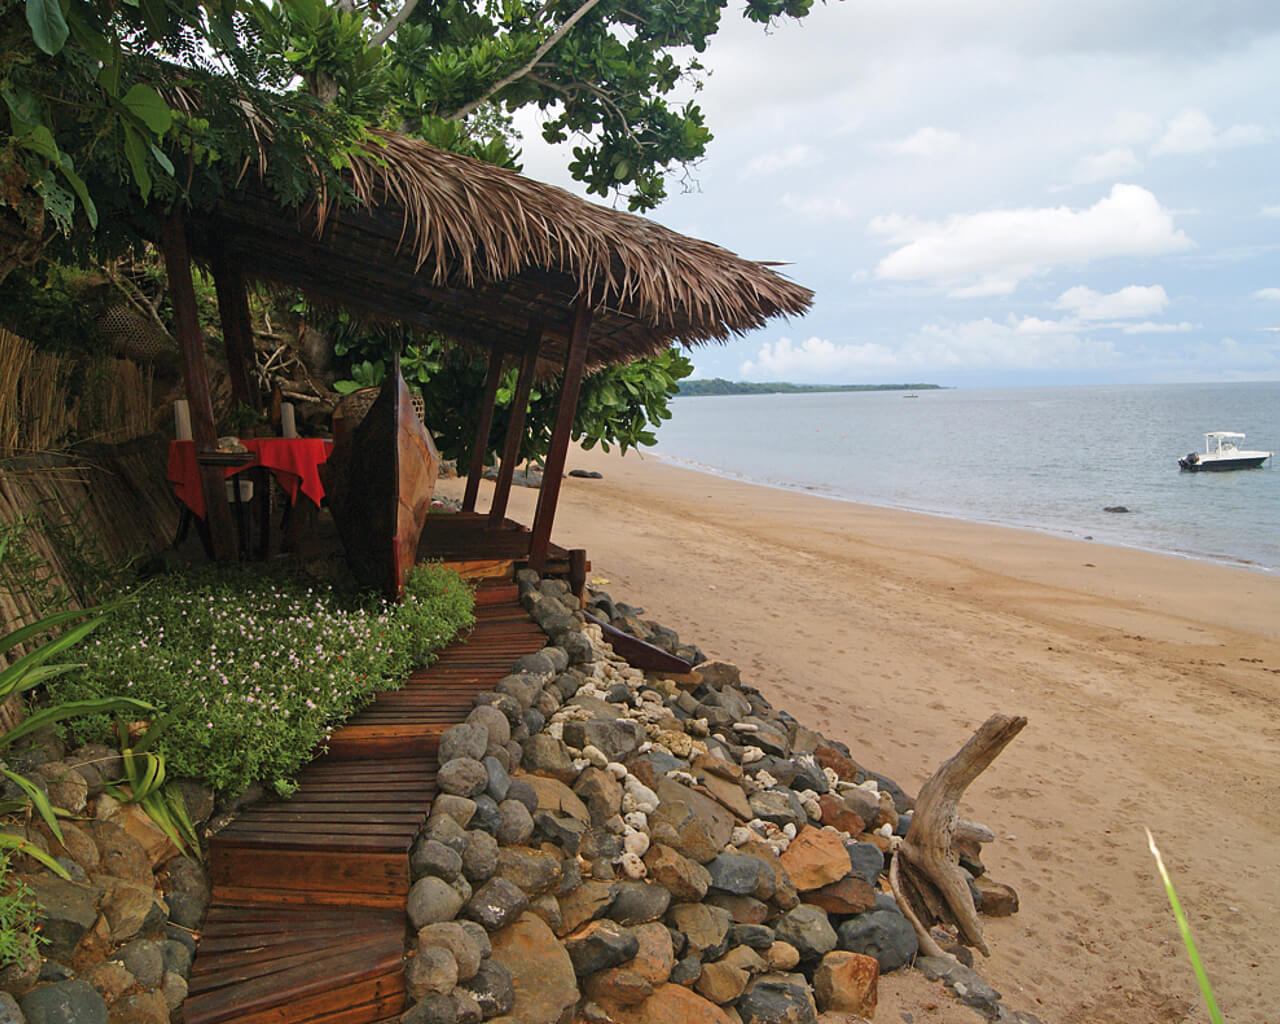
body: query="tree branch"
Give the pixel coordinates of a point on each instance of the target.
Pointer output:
(393, 23)
(541, 52)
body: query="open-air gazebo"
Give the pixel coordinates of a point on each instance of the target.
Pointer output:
(521, 269)
(307, 921)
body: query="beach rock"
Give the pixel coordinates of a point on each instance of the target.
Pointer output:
(753, 936)
(466, 739)
(450, 935)
(67, 911)
(141, 1008)
(616, 738)
(587, 902)
(120, 853)
(837, 813)
(432, 900)
(433, 971)
(463, 776)
(586, 474)
(431, 857)
(601, 792)
(816, 857)
(780, 806)
(740, 874)
(495, 723)
(846, 983)
(775, 1000)
(144, 960)
(524, 689)
(718, 674)
(541, 972)
(534, 871)
(547, 756)
(655, 953)
(866, 860)
(694, 825)
(995, 899)
(965, 983)
(721, 982)
(850, 895)
(883, 934)
(64, 1002)
(431, 1009)
(784, 891)
(782, 956)
(460, 808)
(493, 988)
(808, 929)
(687, 970)
(496, 904)
(705, 928)
(600, 945)
(685, 879)
(637, 903)
(617, 986)
(444, 829)
(742, 909)
(515, 824)
(479, 859)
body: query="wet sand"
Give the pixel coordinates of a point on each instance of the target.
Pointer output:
(1150, 684)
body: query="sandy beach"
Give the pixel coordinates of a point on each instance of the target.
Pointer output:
(1150, 684)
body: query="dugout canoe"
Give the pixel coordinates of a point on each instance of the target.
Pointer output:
(378, 483)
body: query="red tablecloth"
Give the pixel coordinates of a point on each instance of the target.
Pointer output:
(294, 461)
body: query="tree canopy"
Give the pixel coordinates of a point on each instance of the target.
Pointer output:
(108, 105)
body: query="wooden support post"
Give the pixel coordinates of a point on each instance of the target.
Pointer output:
(578, 575)
(177, 261)
(484, 424)
(515, 426)
(549, 494)
(237, 330)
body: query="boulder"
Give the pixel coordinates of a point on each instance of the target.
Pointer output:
(67, 911)
(493, 988)
(496, 904)
(816, 857)
(616, 738)
(837, 813)
(685, 879)
(467, 739)
(454, 937)
(866, 860)
(741, 874)
(64, 1002)
(534, 871)
(775, 999)
(601, 792)
(463, 776)
(883, 934)
(695, 825)
(516, 823)
(479, 859)
(808, 929)
(636, 903)
(846, 983)
(669, 1004)
(541, 972)
(721, 982)
(432, 900)
(587, 902)
(705, 928)
(850, 895)
(431, 857)
(433, 971)
(600, 945)
(553, 796)
(547, 756)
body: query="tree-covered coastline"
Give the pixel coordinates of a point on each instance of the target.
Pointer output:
(720, 386)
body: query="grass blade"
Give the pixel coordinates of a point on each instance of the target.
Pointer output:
(1201, 977)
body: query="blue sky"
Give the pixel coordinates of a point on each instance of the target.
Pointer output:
(987, 192)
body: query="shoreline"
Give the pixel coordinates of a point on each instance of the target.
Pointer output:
(1149, 680)
(676, 462)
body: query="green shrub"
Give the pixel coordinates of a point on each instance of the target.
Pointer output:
(17, 917)
(257, 669)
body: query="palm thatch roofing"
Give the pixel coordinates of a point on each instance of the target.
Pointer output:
(480, 253)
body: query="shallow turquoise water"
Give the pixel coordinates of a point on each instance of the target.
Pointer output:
(1044, 458)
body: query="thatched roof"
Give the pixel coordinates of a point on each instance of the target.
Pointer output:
(478, 252)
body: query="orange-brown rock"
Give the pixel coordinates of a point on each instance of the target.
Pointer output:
(686, 880)
(717, 766)
(728, 794)
(655, 958)
(541, 971)
(845, 768)
(847, 983)
(837, 813)
(997, 899)
(815, 858)
(618, 986)
(670, 1004)
(554, 796)
(721, 982)
(850, 895)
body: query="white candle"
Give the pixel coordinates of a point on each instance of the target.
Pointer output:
(182, 419)
(288, 422)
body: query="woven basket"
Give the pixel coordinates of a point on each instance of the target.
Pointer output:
(355, 406)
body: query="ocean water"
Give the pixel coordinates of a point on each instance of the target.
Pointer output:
(1048, 459)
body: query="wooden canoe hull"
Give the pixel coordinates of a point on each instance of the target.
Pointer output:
(378, 483)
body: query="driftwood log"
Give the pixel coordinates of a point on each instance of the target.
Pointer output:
(925, 872)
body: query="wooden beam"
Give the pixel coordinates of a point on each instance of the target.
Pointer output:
(177, 261)
(237, 328)
(553, 472)
(515, 425)
(484, 424)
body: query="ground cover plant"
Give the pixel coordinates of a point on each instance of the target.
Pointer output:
(253, 670)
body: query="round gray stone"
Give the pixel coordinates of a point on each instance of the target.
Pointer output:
(463, 776)
(431, 900)
(64, 1002)
(466, 739)
(516, 825)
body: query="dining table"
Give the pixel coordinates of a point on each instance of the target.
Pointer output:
(294, 462)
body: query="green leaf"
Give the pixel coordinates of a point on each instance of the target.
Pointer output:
(19, 845)
(162, 158)
(136, 153)
(38, 800)
(24, 112)
(146, 105)
(48, 27)
(40, 140)
(14, 678)
(73, 709)
(68, 171)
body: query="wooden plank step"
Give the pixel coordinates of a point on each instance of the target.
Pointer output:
(345, 967)
(275, 867)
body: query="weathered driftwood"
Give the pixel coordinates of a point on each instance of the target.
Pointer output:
(925, 873)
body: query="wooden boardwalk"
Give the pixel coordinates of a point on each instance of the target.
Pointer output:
(307, 922)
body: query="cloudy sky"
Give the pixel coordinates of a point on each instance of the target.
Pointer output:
(988, 192)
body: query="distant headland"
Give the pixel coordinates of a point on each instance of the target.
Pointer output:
(720, 386)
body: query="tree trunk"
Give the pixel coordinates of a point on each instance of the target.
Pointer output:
(925, 873)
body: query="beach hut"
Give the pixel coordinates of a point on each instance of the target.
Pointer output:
(525, 271)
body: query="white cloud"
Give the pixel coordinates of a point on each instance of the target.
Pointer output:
(989, 253)
(1114, 163)
(1133, 301)
(817, 207)
(1271, 211)
(1148, 327)
(798, 155)
(1130, 127)
(928, 142)
(1193, 132)
(1017, 344)
(1269, 294)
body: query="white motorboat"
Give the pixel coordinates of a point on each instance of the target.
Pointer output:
(1222, 451)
